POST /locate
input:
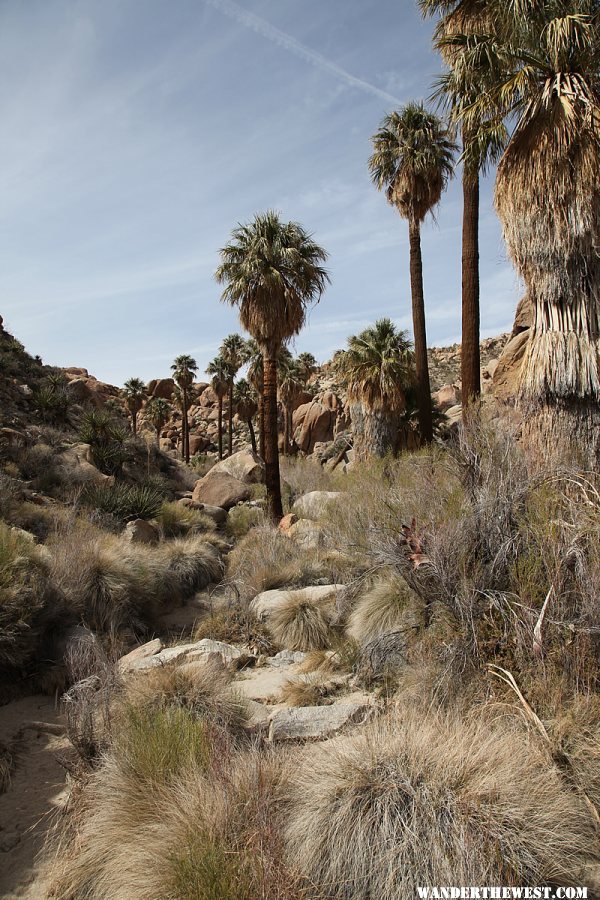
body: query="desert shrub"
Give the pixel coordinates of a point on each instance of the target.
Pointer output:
(176, 520)
(342, 658)
(88, 703)
(10, 495)
(301, 623)
(30, 606)
(204, 689)
(266, 559)
(52, 400)
(242, 518)
(386, 605)
(575, 745)
(303, 475)
(123, 501)
(420, 800)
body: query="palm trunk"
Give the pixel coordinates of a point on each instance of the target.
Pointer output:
(261, 422)
(420, 335)
(230, 423)
(470, 365)
(186, 427)
(158, 430)
(134, 423)
(252, 435)
(271, 449)
(220, 426)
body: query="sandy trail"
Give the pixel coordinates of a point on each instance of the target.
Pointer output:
(37, 790)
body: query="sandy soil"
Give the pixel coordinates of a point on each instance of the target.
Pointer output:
(36, 792)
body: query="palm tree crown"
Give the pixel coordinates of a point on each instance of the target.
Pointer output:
(184, 368)
(377, 367)
(412, 160)
(272, 270)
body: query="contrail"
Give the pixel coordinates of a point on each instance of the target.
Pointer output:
(282, 39)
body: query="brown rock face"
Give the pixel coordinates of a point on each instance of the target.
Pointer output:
(198, 443)
(447, 396)
(506, 375)
(89, 390)
(523, 315)
(315, 422)
(221, 490)
(161, 387)
(245, 465)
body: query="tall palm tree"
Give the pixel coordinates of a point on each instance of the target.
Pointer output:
(219, 373)
(378, 372)
(246, 405)
(235, 353)
(271, 271)
(307, 365)
(184, 368)
(412, 159)
(157, 413)
(291, 384)
(134, 392)
(542, 69)
(482, 144)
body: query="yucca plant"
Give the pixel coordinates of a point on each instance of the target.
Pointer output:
(123, 501)
(106, 438)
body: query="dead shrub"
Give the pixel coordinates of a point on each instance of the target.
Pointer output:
(312, 689)
(419, 799)
(176, 520)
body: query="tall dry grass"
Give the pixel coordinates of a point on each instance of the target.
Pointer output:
(418, 800)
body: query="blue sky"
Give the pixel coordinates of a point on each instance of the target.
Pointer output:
(137, 133)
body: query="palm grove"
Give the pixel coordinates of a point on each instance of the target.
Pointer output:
(520, 87)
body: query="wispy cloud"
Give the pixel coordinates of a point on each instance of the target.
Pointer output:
(287, 42)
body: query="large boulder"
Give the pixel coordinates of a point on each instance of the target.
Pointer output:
(140, 532)
(315, 422)
(220, 489)
(314, 504)
(87, 389)
(161, 387)
(199, 443)
(447, 396)
(508, 370)
(246, 466)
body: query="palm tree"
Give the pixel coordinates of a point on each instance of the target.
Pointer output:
(235, 353)
(184, 368)
(134, 392)
(157, 412)
(541, 68)
(271, 271)
(246, 405)
(307, 365)
(219, 372)
(412, 160)
(256, 379)
(482, 144)
(291, 384)
(378, 372)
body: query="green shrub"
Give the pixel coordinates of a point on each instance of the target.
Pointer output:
(123, 501)
(242, 518)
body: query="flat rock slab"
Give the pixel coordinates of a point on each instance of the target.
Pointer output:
(263, 684)
(188, 652)
(286, 658)
(315, 722)
(145, 651)
(314, 504)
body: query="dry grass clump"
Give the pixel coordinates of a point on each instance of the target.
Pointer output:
(186, 819)
(266, 559)
(341, 659)
(302, 623)
(115, 587)
(312, 689)
(575, 737)
(234, 623)
(242, 518)
(30, 606)
(202, 688)
(387, 604)
(176, 520)
(423, 800)
(300, 476)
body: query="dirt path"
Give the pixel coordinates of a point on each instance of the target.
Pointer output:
(37, 789)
